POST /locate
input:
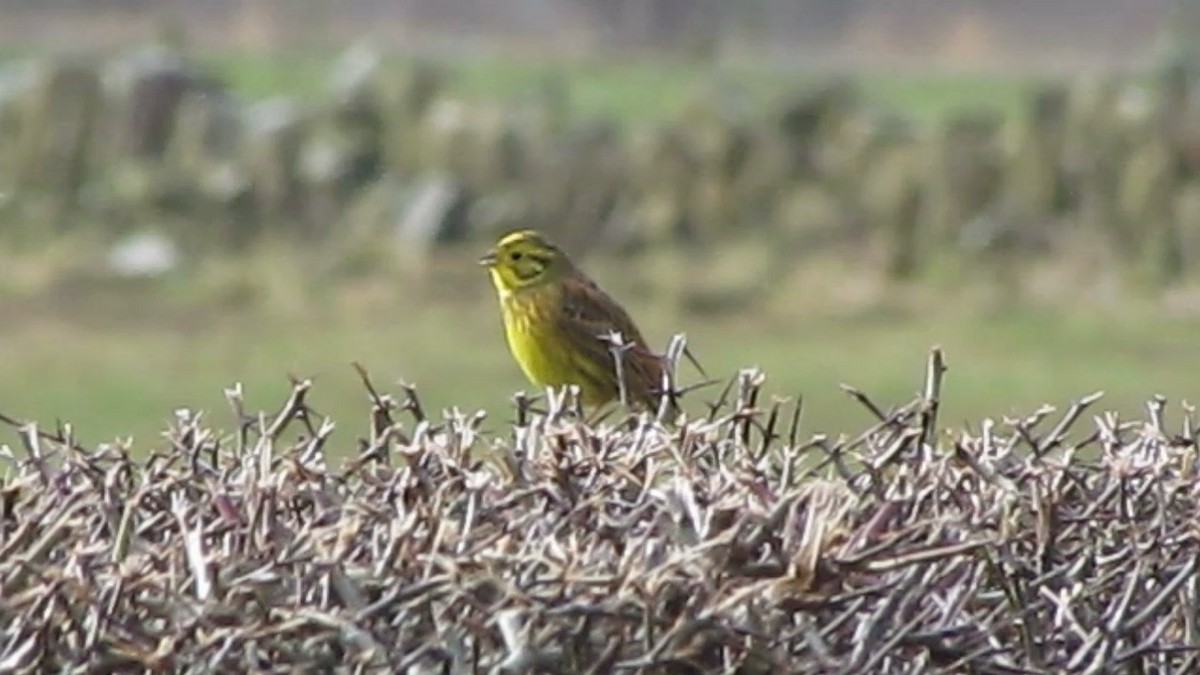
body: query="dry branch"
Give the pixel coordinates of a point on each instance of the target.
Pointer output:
(560, 546)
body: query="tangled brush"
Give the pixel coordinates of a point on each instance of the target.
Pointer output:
(722, 544)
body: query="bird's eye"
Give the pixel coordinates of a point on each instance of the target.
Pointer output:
(516, 255)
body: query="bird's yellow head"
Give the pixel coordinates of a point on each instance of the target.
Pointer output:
(523, 259)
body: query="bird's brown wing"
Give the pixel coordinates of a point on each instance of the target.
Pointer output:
(589, 316)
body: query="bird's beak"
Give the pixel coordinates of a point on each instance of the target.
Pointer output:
(488, 259)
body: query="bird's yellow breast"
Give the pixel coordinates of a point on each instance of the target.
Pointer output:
(529, 325)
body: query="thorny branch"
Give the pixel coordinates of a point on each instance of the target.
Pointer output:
(715, 543)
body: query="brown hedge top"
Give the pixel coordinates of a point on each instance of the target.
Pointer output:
(726, 544)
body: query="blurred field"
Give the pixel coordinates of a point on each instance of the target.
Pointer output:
(636, 91)
(117, 363)
(115, 360)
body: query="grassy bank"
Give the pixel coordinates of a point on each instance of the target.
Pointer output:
(634, 91)
(119, 363)
(116, 361)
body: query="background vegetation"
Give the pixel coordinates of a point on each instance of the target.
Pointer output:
(1041, 229)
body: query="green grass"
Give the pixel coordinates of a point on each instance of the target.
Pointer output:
(124, 375)
(299, 74)
(116, 374)
(632, 92)
(637, 91)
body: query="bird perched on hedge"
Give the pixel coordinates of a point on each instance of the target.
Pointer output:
(560, 325)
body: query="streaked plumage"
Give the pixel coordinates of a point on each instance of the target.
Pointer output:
(556, 320)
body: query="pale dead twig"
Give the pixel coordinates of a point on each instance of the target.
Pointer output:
(574, 547)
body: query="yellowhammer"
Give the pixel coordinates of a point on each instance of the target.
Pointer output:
(559, 324)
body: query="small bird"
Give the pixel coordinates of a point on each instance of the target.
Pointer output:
(560, 325)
